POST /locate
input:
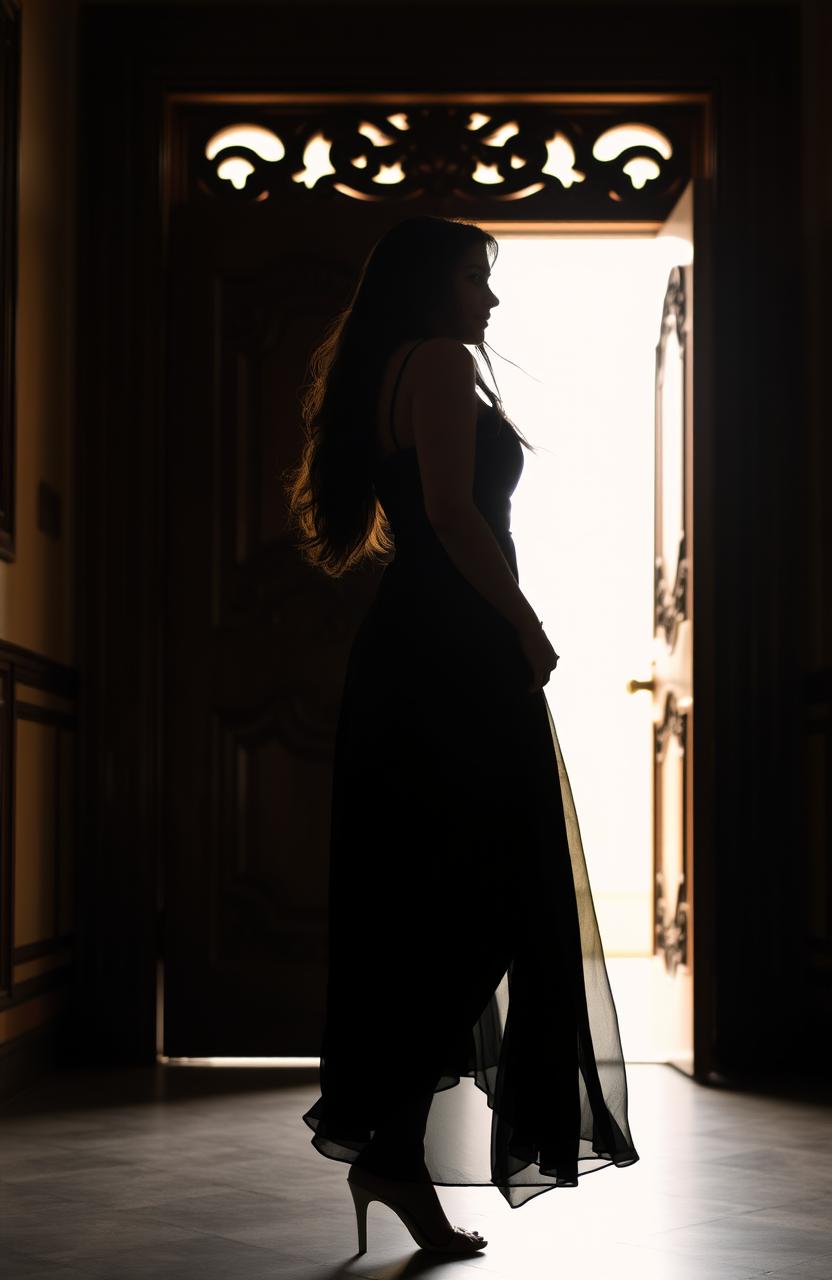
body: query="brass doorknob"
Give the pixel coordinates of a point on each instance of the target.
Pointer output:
(634, 685)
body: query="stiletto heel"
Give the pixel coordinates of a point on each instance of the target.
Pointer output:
(360, 1198)
(407, 1200)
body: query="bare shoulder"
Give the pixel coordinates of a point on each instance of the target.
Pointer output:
(445, 356)
(444, 417)
(441, 367)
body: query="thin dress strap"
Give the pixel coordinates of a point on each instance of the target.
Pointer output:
(396, 387)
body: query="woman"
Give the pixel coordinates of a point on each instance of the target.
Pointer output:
(462, 934)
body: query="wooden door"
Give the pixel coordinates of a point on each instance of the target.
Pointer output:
(255, 641)
(672, 990)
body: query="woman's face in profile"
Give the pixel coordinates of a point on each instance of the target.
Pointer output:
(472, 297)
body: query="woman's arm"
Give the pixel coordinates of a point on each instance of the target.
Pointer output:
(444, 429)
(470, 543)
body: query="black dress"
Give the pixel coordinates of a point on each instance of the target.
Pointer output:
(463, 940)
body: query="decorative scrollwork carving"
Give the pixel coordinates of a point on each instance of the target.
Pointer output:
(674, 724)
(541, 157)
(671, 601)
(672, 930)
(672, 910)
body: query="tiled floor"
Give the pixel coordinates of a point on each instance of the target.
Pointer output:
(207, 1173)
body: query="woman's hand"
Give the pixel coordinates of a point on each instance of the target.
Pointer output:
(539, 654)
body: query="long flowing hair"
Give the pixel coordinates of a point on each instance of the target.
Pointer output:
(334, 514)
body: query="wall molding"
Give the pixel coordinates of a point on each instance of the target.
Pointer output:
(37, 689)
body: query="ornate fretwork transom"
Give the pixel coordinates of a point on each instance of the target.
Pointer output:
(529, 160)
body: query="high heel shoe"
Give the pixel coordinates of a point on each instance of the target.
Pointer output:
(421, 1214)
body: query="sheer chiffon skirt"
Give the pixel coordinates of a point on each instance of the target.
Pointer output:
(465, 961)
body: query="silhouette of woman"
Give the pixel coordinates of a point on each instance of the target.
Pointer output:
(463, 941)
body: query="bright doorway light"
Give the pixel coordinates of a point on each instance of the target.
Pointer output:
(581, 316)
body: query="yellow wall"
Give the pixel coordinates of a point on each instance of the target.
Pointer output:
(38, 589)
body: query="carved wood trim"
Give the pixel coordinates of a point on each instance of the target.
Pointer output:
(532, 156)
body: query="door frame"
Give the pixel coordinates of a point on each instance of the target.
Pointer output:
(132, 59)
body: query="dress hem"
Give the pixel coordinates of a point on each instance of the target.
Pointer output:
(622, 1161)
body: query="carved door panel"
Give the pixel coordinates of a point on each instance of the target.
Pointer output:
(255, 640)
